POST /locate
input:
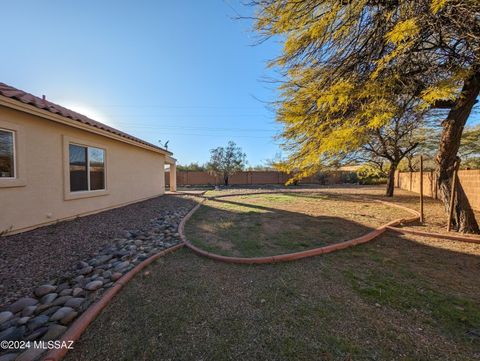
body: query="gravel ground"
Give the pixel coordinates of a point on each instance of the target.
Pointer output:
(31, 258)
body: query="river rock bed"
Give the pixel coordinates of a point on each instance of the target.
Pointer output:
(46, 313)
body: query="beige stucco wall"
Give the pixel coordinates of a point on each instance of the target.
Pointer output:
(41, 195)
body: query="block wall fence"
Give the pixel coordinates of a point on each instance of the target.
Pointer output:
(469, 180)
(191, 178)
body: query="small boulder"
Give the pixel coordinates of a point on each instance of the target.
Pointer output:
(116, 276)
(61, 300)
(77, 291)
(12, 333)
(54, 332)
(85, 270)
(65, 292)
(43, 290)
(74, 302)
(50, 311)
(37, 322)
(48, 298)
(5, 316)
(94, 285)
(61, 313)
(39, 332)
(69, 318)
(23, 320)
(29, 310)
(22, 303)
(8, 357)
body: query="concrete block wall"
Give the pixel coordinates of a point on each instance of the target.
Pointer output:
(469, 180)
(251, 177)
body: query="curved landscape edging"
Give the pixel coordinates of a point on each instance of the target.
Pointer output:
(80, 324)
(469, 239)
(297, 255)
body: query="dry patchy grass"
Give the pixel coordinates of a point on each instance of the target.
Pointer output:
(371, 302)
(276, 223)
(396, 298)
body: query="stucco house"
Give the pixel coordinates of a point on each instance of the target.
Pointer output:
(56, 164)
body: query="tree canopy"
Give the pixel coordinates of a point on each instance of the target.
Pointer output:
(349, 65)
(226, 161)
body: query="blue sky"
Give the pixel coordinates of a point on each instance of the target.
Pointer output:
(182, 71)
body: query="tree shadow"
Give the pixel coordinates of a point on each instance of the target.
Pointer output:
(252, 230)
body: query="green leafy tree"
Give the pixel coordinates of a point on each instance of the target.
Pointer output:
(226, 161)
(193, 167)
(345, 63)
(470, 148)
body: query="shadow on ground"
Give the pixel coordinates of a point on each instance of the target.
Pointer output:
(392, 299)
(273, 224)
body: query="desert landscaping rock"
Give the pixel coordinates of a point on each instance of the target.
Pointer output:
(94, 285)
(74, 302)
(39, 332)
(77, 291)
(66, 292)
(85, 270)
(12, 333)
(23, 320)
(5, 316)
(37, 322)
(116, 276)
(43, 290)
(42, 308)
(61, 300)
(54, 332)
(64, 295)
(68, 318)
(29, 310)
(22, 303)
(50, 311)
(48, 298)
(61, 313)
(9, 357)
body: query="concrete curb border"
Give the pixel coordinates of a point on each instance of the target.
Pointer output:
(74, 332)
(469, 239)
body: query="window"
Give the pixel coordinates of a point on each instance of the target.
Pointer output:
(7, 154)
(87, 168)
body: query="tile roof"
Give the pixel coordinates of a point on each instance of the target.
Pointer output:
(20, 95)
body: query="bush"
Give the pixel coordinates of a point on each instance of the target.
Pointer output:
(371, 175)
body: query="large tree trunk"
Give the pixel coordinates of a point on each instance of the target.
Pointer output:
(391, 180)
(463, 216)
(225, 179)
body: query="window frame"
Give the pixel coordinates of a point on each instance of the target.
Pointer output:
(19, 149)
(14, 145)
(71, 195)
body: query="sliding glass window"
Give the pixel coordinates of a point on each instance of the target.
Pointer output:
(87, 168)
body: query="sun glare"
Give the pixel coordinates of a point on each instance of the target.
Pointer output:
(92, 113)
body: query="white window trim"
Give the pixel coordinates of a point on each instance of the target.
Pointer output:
(14, 136)
(69, 195)
(19, 152)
